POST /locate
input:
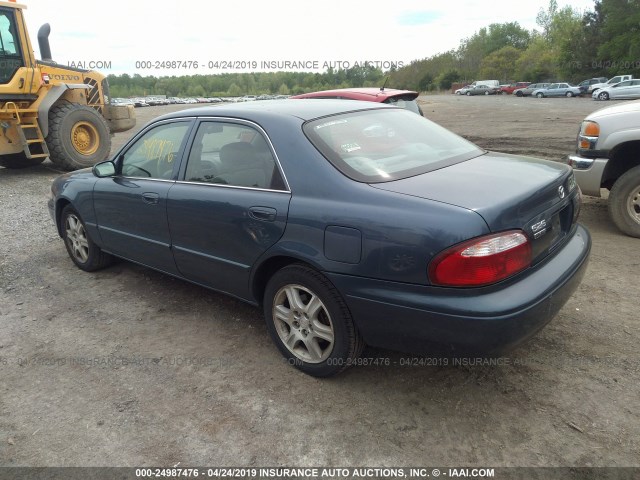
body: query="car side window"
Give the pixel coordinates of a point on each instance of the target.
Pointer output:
(232, 154)
(153, 155)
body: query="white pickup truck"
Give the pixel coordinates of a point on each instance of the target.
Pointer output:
(608, 156)
(608, 83)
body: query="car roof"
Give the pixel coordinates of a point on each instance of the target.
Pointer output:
(372, 94)
(302, 109)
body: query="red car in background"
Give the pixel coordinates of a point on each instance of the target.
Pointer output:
(509, 89)
(401, 98)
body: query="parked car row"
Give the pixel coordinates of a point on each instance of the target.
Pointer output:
(154, 101)
(524, 89)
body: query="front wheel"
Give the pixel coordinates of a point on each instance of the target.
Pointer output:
(78, 136)
(309, 322)
(519, 94)
(486, 93)
(603, 96)
(83, 251)
(569, 94)
(624, 202)
(468, 94)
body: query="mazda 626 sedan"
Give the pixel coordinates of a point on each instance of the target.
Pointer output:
(349, 223)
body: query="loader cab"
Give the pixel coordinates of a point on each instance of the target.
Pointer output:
(11, 58)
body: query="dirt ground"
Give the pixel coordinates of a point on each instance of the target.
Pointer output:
(128, 367)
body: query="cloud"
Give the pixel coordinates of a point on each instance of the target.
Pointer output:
(410, 19)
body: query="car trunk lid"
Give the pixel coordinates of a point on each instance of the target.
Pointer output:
(508, 192)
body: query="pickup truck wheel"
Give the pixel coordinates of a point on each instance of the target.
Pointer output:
(603, 96)
(540, 95)
(624, 203)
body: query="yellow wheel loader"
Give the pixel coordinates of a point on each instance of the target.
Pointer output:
(51, 110)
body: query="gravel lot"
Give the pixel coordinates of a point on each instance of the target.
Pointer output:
(128, 367)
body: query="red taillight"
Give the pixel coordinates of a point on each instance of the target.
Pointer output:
(482, 261)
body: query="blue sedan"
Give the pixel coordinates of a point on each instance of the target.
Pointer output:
(349, 223)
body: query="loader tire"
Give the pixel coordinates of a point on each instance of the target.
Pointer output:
(78, 136)
(19, 160)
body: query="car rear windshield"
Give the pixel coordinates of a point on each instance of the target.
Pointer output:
(388, 144)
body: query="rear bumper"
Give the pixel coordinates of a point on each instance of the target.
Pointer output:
(424, 319)
(588, 173)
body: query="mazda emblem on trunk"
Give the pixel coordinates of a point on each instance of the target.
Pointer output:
(561, 191)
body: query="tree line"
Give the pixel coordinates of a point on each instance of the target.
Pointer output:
(238, 84)
(569, 45)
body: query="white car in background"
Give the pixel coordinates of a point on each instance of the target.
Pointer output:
(629, 89)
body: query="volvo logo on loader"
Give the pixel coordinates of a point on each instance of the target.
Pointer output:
(73, 78)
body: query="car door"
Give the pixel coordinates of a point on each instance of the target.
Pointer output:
(229, 206)
(625, 89)
(560, 90)
(634, 89)
(131, 206)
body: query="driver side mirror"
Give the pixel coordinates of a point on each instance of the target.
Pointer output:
(104, 169)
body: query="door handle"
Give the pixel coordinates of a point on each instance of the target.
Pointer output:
(264, 214)
(150, 198)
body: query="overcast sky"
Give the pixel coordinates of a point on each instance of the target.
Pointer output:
(121, 36)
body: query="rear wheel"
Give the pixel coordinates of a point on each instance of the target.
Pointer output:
(83, 251)
(78, 136)
(624, 202)
(487, 92)
(468, 94)
(569, 94)
(540, 95)
(519, 94)
(309, 322)
(19, 160)
(603, 96)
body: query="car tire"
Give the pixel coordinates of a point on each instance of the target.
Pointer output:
(468, 94)
(569, 94)
(540, 95)
(603, 96)
(19, 160)
(486, 93)
(519, 94)
(624, 203)
(309, 322)
(81, 248)
(78, 136)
